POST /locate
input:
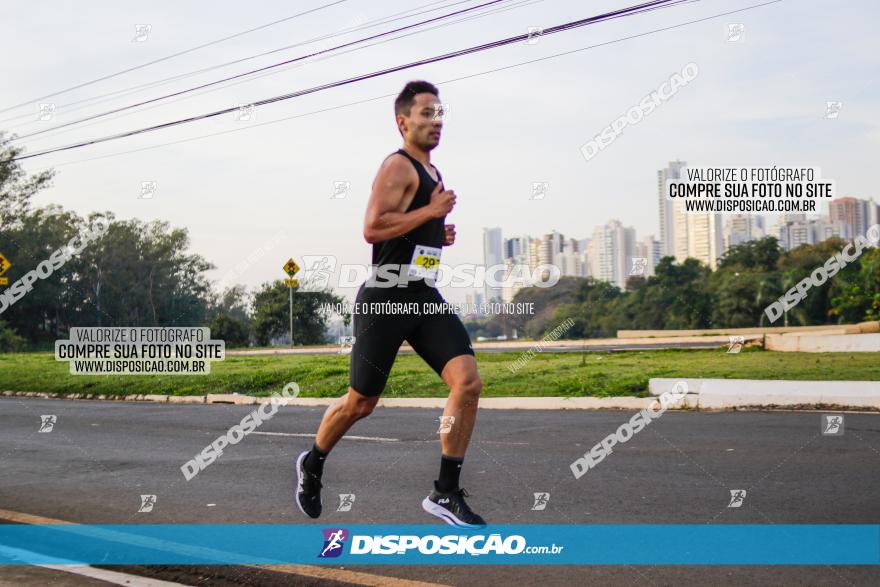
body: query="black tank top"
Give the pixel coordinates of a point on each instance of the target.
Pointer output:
(399, 250)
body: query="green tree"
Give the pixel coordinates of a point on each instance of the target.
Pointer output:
(271, 314)
(858, 297)
(41, 313)
(139, 274)
(746, 281)
(232, 301)
(544, 300)
(10, 342)
(591, 312)
(759, 255)
(231, 329)
(798, 264)
(677, 296)
(16, 188)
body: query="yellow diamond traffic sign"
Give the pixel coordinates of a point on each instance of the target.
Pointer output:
(291, 267)
(4, 264)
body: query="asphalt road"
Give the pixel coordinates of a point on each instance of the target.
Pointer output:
(101, 456)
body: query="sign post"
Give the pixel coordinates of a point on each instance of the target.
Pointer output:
(4, 266)
(291, 268)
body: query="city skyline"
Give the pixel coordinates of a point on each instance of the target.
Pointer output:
(614, 252)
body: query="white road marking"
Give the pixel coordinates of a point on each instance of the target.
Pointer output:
(75, 568)
(341, 575)
(113, 577)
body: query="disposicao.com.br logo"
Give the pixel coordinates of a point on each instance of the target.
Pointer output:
(454, 544)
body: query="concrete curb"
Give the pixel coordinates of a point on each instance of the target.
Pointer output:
(736, 393)
(703, 394)
(488, 403)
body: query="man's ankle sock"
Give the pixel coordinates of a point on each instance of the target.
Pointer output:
(314, 462)
(450, 471)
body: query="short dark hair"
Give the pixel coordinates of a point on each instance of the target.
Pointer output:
(407, 96)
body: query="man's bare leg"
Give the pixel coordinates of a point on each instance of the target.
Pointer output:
(447, 500)
(459, 416)
(338, 418)
(341, 415)
(464, 382)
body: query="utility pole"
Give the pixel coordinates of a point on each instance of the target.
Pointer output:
(291, 268)
(290, 289)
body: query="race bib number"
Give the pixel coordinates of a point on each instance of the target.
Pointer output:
(425, 262)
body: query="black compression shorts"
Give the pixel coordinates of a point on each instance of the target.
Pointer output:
(436, 336)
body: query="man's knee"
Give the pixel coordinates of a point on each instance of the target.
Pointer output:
(470, 387)
(359, 406)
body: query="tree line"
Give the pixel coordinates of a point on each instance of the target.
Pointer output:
(689, 295)
(135, 274)
(141, 274)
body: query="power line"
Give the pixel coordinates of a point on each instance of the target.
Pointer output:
(516, 4)
(134, 89)
(172, 56)
(261, 69)
(552, 30)
(375, 98)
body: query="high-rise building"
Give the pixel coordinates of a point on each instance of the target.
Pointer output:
(492, 256)
(586, 264)
(649, 249)
(534, 253)
(792, 217)
(698, 235)
(873, 212)
(741, 228)
(474, 300)
(514, 280)
(571, 260)
(684, 235)
(614, 246)
(517, 248)
(667, 209)
(547, 251)
(590, 258)
(852, 212)
(551, 247)
(794, 230)
(822, 229)
(799, 233)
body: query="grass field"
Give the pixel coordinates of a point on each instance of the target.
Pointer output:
(547, 374)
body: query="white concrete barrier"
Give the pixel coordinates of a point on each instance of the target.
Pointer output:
(820, 329)
(731, 393)
(824, 343)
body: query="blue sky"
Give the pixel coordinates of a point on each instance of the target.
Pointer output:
(758, 102)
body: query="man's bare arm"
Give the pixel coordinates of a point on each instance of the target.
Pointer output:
(383, 220)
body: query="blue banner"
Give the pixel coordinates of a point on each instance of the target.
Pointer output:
(529, 544)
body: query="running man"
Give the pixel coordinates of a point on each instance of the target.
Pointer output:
(405, 224)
